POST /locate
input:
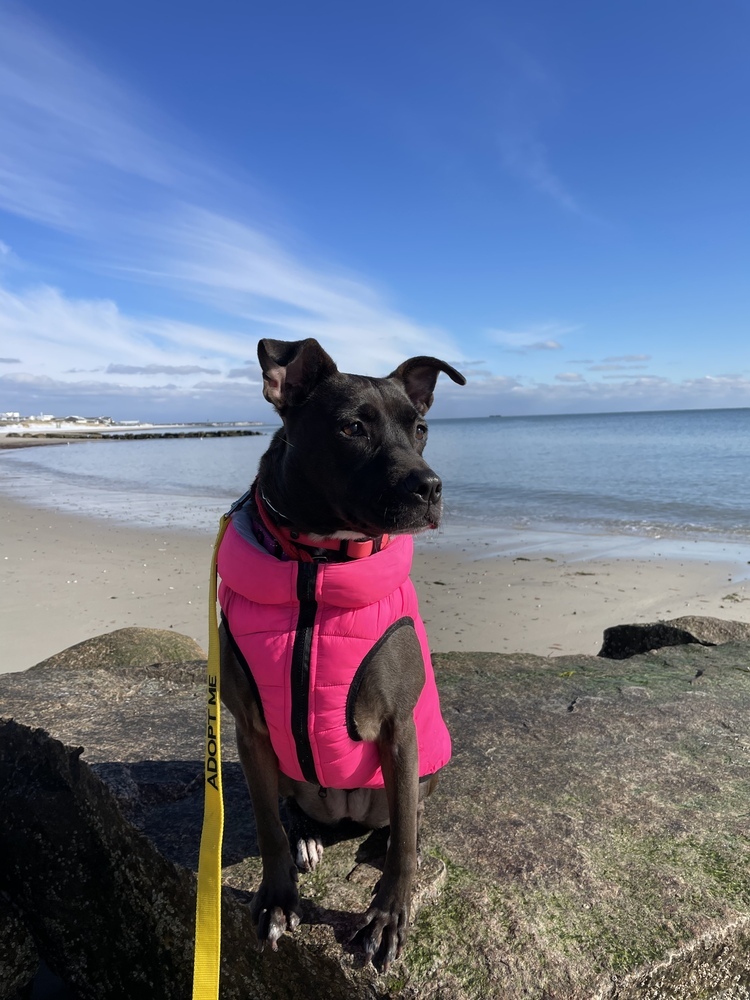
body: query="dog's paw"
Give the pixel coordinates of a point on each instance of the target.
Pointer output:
(308, 853)
(275, 909)
(273, 923)
(382, 932)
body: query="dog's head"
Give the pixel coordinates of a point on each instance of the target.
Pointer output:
(349, 456)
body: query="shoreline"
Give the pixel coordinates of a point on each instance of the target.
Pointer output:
(29, 433)
(67, 577)
(11, 441)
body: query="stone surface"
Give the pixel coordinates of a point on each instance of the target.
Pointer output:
(127, 647)
(588, 840)
(111, 915)
(622, 641)
(19, 958)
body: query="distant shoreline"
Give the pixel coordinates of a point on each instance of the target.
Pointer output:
(30, 439)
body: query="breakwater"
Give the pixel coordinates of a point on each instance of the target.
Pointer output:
(128, 436)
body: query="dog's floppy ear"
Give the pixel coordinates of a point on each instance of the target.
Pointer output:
(419, 376)
(292, 369)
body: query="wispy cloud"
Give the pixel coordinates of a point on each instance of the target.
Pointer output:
(64, 334)
(61, 118)
(615, 367)
(531, 96)
(629, 357)
(245, 272)
(538, 337)
(83, 155)
(160, 370)
(527, 157)
(572, 393)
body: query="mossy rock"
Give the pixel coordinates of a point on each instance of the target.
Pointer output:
(125, 647)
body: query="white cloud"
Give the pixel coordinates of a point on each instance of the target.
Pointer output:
(245, 272)
(537, 337)
(527, 157)
(615, 368)
(629, 357)
(530, 96)
(544, 345)
(60, 117)
(160, 370)
(515, 396)
(67, 338)
(83, 155)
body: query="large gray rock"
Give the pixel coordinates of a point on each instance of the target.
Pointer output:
(589, 838)
(126, 647)
(111, 915)
(623, 641)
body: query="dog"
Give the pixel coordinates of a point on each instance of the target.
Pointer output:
(324, 535)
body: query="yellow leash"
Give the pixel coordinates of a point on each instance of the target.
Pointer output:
(208, 902)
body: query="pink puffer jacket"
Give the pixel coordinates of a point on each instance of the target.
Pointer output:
(306, 632)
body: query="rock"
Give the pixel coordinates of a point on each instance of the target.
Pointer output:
(713, 630)
(589, 838)
(19, 958)
(126, 647)
(112, 916)
(622, 641)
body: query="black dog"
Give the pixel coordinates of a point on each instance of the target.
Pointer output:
(343, 481)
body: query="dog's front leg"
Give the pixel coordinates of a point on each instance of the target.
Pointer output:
(384, 927)
(275, 906)
(384, 713)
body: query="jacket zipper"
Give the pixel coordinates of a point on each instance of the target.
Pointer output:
(308, 607)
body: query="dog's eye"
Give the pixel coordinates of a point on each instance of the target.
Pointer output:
(421, 432)
(354, 429)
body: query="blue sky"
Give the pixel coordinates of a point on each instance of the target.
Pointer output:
(553, 197)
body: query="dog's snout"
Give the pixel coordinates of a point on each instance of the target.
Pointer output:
(424, 484)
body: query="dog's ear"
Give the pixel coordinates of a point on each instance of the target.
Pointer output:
(292, 369)
(419, 375)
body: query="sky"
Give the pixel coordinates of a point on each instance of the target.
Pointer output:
(552, 197)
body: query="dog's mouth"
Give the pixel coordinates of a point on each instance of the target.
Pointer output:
(397, 521)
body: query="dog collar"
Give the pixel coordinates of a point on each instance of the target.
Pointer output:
(296, 545)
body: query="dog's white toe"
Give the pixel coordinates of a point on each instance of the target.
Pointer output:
(309, 853)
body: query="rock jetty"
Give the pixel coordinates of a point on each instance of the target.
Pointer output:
(131, 436)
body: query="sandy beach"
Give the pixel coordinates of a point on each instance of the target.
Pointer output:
(65, 578)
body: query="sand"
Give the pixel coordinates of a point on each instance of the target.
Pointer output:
(65, 578)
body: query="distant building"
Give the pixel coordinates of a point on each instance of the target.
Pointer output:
(73, 419)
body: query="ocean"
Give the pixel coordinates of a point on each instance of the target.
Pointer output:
(674, 474)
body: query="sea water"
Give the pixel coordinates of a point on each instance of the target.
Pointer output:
(680, 474)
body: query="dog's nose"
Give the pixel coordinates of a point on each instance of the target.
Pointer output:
(424, 484)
